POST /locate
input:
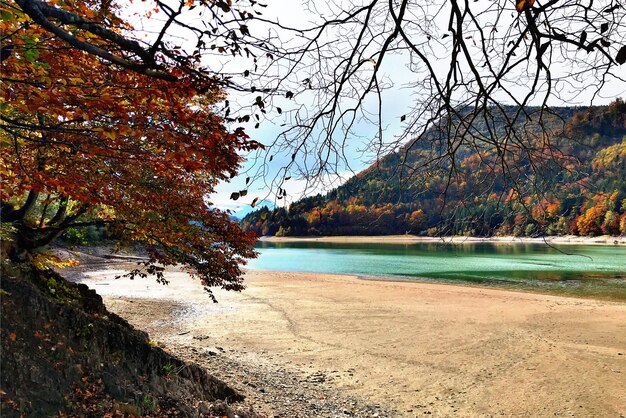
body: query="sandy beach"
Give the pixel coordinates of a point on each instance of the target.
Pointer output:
(293, 342)
(408, 239)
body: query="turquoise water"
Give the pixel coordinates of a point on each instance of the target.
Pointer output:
(572, 269)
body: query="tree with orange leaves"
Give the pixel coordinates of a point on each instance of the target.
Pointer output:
(91, 137)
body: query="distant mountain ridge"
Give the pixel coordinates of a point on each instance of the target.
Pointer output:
(567, 178)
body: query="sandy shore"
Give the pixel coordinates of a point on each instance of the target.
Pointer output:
(297, 342)
(407, 239)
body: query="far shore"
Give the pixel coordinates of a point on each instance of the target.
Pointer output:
(414, 239)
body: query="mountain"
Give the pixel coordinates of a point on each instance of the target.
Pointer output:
(534, 173)
(246, 209)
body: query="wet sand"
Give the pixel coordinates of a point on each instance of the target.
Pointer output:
(413, 348)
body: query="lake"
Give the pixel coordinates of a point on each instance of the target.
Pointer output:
(584, 270)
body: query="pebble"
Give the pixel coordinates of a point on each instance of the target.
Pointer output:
(274, 390)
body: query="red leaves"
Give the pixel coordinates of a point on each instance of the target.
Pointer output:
(522, 5)
(137, 148)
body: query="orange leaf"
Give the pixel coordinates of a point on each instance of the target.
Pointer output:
(12, 336)
(521, 5)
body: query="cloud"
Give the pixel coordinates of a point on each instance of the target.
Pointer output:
(296, 190)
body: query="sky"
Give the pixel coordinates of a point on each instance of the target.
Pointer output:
(263, 189)
(398, 100)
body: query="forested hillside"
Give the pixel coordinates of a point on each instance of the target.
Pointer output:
(567, 178)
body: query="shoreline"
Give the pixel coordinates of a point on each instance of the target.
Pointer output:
(505, 287)
(414, 239)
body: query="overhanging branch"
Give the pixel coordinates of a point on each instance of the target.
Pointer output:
(40, 12)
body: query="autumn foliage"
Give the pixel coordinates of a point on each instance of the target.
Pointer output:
(570, 179)
(86, 142)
